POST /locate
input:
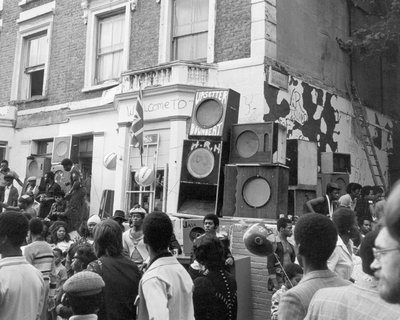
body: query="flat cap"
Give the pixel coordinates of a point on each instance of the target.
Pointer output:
(84, 283)
(33, 178)
(138, 210)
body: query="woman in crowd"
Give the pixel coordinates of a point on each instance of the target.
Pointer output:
(59, 236)
(214, 295)
(341, 260)
(120, 274)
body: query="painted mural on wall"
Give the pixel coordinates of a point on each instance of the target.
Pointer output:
(313, 114)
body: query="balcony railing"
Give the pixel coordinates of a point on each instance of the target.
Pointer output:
(167, 74)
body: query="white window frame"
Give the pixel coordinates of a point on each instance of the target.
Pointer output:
(166, 23)
(31, 22)
(96, 10)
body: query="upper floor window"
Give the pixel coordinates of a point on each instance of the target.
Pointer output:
(110, 46)
(36, 57)
(107, 43)
(190, 29)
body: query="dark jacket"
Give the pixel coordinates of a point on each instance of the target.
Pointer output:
(272, 261)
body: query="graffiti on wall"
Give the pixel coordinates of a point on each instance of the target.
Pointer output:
(313, 114)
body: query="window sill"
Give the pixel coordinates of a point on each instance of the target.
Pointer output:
(106, 85)
(34, 99)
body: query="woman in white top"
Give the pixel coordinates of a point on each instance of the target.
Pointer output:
(341, 260)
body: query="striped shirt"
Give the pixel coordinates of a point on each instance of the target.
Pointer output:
(40, 255)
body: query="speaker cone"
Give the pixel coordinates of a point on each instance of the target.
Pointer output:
(256, 192)
(209, 113)
(247, 144)
(200, 163)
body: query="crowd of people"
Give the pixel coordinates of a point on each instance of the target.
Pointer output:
(57, 263)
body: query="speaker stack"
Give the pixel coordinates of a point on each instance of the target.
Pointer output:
(256, 178)
(206, 151)
(302, 160)
(336, 168)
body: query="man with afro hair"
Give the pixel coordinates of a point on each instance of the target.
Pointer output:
(315, 237)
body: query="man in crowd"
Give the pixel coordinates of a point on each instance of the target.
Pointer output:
(387, 250)
(31, 187)
(76, 211)
(40, 254)
(349, 200)
(22, 290)
(166, 289)
(10, 192)
(84, 294)
(357, 301)
(327, 204)
(132, 239)
(5, 170)
(46, 199)
(315, 236)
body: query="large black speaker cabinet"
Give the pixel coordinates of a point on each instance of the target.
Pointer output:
(202, 181)
(256, 191)
(297, 199)
(335, 162)
(214, 111)
(258, 143)
(341, 179)
(302, 160)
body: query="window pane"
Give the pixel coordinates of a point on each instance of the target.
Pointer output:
(192, 47)
(37, 51)
(110, 47)
(37, 83)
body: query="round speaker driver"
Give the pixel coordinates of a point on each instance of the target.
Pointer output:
(256, 192)
(200, 163)
(247, 144)
(209, 113)
(61, 148)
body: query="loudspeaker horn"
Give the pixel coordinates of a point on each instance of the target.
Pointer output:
(255, 240)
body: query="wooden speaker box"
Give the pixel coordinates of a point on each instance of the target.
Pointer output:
(335, 162)
(297, 199)
(342, 179)
(256, 191)
(259, 143)
(214, 111)
(201, 183)
(302, 160)
(37, 166)
(65, 147)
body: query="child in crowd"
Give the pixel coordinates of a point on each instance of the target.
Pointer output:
(59, 236)
(293, 275)
(57, 210)
(60, 275)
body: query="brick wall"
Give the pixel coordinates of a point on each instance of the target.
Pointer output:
(145, 35)
(232, 30)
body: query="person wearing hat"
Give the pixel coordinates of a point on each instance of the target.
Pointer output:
(31, 187)
(83, 293)
(132, 239)
(24, 206)
(327, 204)
(10, 192)
(119, 216)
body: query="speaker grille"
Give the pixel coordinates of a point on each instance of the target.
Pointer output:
(200, 163)
(256, 192)
(247, 144)
(33, 168)
(209, 113)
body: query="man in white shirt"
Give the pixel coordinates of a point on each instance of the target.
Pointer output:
(22, 289)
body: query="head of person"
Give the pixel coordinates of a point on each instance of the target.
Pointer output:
(353, 189)
(378, 193)
(366, 252)
(58, 256)
(294, 273)
(387, 250)
(211, 223)
(345, 221)
(108, 238)
(25, 201)
(136, 216)
(119, 216)
(92, 222)
(209, 251)
(82, 255)
(49, 177)
(3, 165)
(333, 191)
(59, 196)
(9, 178)
(366, 193)
(59, 232)
(36, 227)
(13, 230)
(157, 231)
(315, 236)
(285, 227)
(31, 181)
(83, 293)
(365, 225)
(67, 164)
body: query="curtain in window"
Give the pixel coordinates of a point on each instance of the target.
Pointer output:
(190, 29)
(110, 48)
